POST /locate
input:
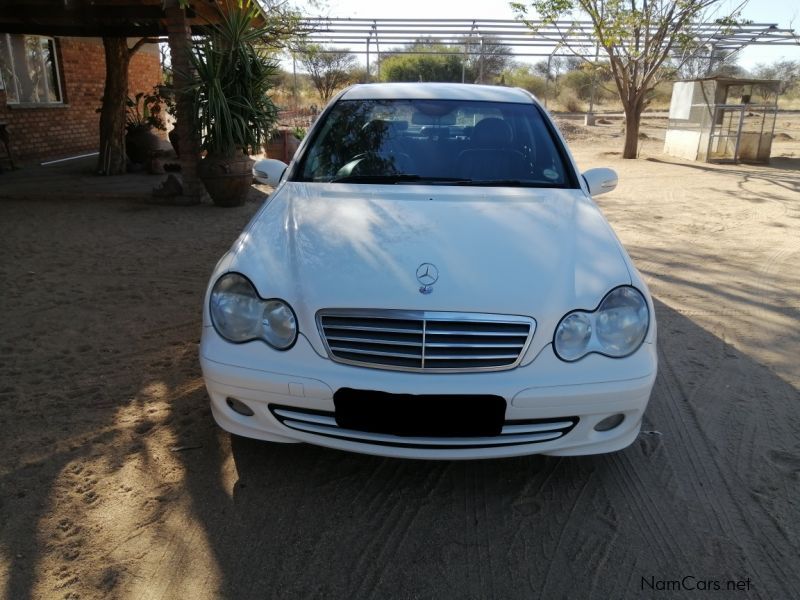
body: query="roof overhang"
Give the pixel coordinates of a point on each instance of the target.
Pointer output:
(101, 18)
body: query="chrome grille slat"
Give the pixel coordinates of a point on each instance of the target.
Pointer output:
(376, 352)
(513, 433)
(489, 345)
(381, 329)
(425, 340)
(477, 333)
(535, 427)
(527, 438)
(328, 420)
(337, 338)
(470, 357)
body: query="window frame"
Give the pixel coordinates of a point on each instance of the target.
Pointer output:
(52, 45)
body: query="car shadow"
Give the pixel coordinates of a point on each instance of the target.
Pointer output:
(706, 490)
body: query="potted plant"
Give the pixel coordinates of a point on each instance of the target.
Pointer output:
(142, 116)
(233, 112)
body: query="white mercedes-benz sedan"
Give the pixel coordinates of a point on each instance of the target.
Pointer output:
(431, 279)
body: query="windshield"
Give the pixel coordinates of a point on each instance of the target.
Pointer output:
(455, 142)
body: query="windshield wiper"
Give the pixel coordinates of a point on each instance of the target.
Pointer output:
(509, 183)
(411, 178)
(396, 178)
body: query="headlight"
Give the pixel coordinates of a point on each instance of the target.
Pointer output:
(616, 328)
(239, 314)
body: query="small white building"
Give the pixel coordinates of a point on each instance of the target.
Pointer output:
(722, 119)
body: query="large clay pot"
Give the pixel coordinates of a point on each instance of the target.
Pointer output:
(227, 178)
(141, 144)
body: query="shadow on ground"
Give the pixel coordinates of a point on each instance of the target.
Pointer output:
(706, 491)
(115, 483)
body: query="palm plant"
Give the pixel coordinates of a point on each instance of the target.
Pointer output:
(234, 74)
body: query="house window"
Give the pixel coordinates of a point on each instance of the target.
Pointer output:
(28, 69)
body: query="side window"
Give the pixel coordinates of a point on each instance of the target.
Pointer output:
(29, 69)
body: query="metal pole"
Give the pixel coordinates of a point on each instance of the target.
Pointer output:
(377, 46)
(464, 62)
(480, 75)
(294, 75)
(589, 117)
(594, 77)
(761, 133)
(367, 59)
(739, 134)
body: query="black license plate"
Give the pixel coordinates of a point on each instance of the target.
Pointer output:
(428, 415)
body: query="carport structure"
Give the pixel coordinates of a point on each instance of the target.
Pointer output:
(522, 38)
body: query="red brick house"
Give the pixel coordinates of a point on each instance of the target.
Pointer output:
(52, 60)
(50, 89)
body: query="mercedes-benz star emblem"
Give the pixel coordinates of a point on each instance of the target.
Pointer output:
(427, 275)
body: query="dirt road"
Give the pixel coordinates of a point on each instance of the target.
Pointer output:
(115, 483)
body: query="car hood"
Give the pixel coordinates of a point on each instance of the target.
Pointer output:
(514, 251)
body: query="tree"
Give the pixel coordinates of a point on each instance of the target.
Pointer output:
(552, 69)
(421, 67)
(525, 77)
(638, 36)
(435, 62)
(705, 65)
(112, 159)
(788, 71)
(328, 69)
(486, 59)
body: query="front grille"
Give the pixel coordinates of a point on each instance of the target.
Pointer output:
(514, 433)
(425, 340)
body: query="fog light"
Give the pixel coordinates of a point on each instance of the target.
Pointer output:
(240, 407)
(609, 423)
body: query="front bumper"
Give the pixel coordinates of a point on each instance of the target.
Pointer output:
(545, 389)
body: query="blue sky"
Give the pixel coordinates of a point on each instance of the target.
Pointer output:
(786, 13)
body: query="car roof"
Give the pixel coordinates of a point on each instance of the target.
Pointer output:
(436, 91)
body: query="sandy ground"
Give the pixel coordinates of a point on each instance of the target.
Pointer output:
(115, 483)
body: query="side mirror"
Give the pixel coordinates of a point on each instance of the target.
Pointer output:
(269, 171)
(600, 181)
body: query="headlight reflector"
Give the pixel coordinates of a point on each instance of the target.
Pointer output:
(573, 335)
(239, 314)
(616, 328)
(279, 326)
(622, 321)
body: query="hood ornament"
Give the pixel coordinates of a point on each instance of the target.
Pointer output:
(427, 275)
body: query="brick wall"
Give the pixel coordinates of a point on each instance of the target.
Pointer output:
(57, 131)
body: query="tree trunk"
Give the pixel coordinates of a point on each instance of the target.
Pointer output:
(180, 45)
(112, 114)
(633, 118)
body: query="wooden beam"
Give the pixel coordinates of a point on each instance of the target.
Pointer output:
(86, 19)
(56, 14)
(153, 29)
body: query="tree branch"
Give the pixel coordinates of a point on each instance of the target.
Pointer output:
(145, 40)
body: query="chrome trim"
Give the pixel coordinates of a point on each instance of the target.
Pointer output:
(364, 436)
(323, 423)
(534, 427)
(424, 317)
(311, 418)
